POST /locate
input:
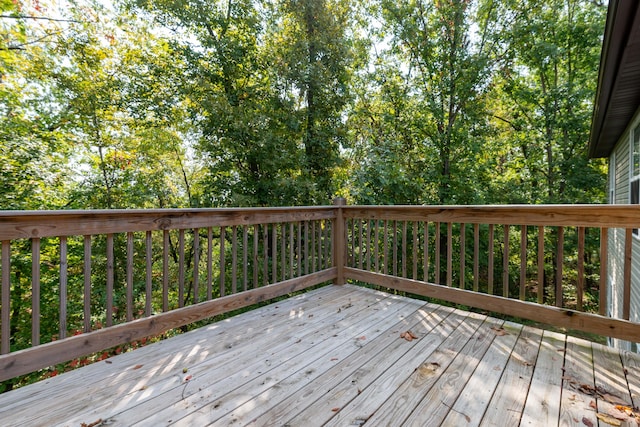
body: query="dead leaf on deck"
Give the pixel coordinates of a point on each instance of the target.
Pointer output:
(613, 399)
(93, 424)
(335, 409)
(593, 405)
(137, 367)
(608, 419)
(334, 359)
(499, 331)
(188, 377)
(586, 421)
(408, 335)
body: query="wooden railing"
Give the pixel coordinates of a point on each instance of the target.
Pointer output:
(541, 263)
(77, 282)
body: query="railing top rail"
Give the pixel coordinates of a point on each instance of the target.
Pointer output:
(30, 224)
(608, 216)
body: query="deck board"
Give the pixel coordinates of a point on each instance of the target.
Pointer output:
(334, 357)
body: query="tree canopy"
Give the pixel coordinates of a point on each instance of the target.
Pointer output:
(285, 102)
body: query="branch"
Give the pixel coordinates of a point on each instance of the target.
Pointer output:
(39, 17)
(38, 40)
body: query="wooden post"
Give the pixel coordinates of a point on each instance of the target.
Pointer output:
(339, 241)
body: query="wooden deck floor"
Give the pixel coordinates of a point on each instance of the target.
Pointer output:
(334, 357)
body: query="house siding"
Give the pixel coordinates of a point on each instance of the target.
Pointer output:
(621, 169)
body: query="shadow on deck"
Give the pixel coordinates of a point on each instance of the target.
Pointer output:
(335, 357)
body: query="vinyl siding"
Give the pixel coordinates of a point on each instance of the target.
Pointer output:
(616, 241)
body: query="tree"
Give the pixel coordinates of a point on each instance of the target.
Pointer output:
(546, 86)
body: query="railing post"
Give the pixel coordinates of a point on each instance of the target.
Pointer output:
(339, 241)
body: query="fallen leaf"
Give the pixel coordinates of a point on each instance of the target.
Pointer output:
(137, 367)
(93, 424)
(613, 399)
(408, 335)
(108, 361)
(618, 414)
(334, 358)
(593, 405)
(608, 419)
(586, 421)
(499, 331)
(362, 338)
(184, 370)
(188, 377)
(335, 409)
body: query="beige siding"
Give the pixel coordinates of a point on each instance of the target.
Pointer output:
(616, 241)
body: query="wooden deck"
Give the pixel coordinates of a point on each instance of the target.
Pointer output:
(334, 357)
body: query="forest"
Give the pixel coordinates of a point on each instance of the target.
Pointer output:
(191, 103)
(235, 103)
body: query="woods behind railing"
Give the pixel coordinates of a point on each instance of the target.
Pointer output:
(78, 282)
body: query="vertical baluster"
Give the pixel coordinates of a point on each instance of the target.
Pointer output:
(395, 248)
(604, 254)
(265, 257)
(505, 263)
(291, 253)
(313, 246)
(425, 254)
(256, 264)
(449, 254)
(209, 263)
(463, 255)
(580, 290)
(360, 244)
(385, 237)
(5, 315)
(626, 290)
(437, 257)
(223, 284)
(35, 291)
(274, 255)
(245, 257)
(306, 247)
(559, 260)
(149, 275)
(196, 265)
(87, 285)
(110, 273)
(540, 264)
(523, 261)
(490, 260)
(129, 276)
(404, 248)
(165, 270)
(414, 254)
(367, 242)
(476, 257)
(180, 268)
(64, 266)
(299, 248)
(327, 243)
(283, 252)
(376, 249)
(234, 259)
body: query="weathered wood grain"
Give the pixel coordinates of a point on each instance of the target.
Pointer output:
(334, 356)
(560, 317)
